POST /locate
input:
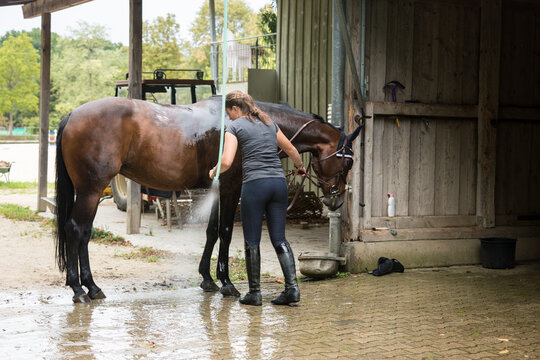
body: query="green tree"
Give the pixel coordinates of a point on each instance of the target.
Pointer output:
(35, 37)
(242, 22)
(267, 24)
(19, 77)
(85, 68)
(162, 46)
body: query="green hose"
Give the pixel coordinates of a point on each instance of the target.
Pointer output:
(223, 91)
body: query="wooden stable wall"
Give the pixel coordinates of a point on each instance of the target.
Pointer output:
(304, 43)
(425, 147)
(517, 193)
(305, 54)
(517, 186)
(459, 148)
(428, 164)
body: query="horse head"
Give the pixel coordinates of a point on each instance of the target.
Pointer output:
(331, 165)
(331, 149)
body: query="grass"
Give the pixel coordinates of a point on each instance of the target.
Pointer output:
(20, 137)
(26, 187)
(237, 269)
(19, 213)
(148, 254)
(22, 213)
(342, 274)
(108, 238)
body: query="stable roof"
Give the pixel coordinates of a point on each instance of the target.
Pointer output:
(33, 8)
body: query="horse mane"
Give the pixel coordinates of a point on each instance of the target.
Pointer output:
(299, 112)
(284, 104)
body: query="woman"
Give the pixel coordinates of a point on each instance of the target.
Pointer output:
(264, 190)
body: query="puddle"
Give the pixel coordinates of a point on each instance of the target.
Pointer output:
(185, 323)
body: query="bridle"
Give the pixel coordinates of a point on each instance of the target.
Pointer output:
(343, 151)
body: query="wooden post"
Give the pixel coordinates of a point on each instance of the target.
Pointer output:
(213, 47)
(488, 108)
(368, 165)
(44, 96)
(354, 211)
(135, 92)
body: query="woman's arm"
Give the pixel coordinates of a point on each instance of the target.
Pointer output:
(290, 150)
(229, 152)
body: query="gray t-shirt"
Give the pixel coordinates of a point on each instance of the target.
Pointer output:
(258, 144)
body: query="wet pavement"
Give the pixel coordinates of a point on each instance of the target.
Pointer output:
(463, 312)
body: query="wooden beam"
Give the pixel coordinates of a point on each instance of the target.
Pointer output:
(39, 7)
(445, 233)
(488, 109)
(135, 92)
(411, 222)
(44, 96)
(368, 166)
(354, 209)
(13, 2)
(451, 111)
(214, 60)
(428, 110)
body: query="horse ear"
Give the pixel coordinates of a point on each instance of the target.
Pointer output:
(354, 135)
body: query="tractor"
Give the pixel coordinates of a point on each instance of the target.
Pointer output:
(163, 90)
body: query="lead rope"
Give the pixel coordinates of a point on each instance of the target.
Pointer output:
(292, 173)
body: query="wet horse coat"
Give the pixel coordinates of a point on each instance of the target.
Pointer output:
(165, 147)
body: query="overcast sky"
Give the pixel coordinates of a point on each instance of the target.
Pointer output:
(113, 14)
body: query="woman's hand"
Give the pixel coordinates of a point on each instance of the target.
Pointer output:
(212, 173)
(290, 150)
(299, 170)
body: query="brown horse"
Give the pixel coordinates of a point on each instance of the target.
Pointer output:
(170, 148)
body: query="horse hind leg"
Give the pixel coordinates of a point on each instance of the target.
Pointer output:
(78, 231)
(94, 292)
(74, 234)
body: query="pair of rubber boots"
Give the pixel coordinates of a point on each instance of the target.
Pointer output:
(291, 294)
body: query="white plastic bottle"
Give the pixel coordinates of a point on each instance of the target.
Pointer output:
(391, 205)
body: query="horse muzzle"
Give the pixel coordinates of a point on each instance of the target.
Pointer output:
(333, 201)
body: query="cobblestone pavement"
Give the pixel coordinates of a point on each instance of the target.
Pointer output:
(448, 313)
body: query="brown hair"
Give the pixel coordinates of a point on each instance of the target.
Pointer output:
(245, 103)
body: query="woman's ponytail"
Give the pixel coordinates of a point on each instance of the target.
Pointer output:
(246, 104)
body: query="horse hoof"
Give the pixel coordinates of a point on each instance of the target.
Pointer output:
(82, 299)
(209, 286)
(229, 291)
(97, 296)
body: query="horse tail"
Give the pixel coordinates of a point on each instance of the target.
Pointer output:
(65, 198)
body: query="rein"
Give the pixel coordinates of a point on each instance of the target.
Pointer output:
(298, 132)
(340, 152)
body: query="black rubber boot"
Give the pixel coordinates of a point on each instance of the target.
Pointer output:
(291, 294)
(253, 266)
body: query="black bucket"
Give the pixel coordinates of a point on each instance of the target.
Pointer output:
(498, 253)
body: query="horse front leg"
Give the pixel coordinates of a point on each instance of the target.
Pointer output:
(208, 284)
(229, 202)
(94, 292)
(227, 289)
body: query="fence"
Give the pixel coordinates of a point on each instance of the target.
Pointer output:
(252, 52)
